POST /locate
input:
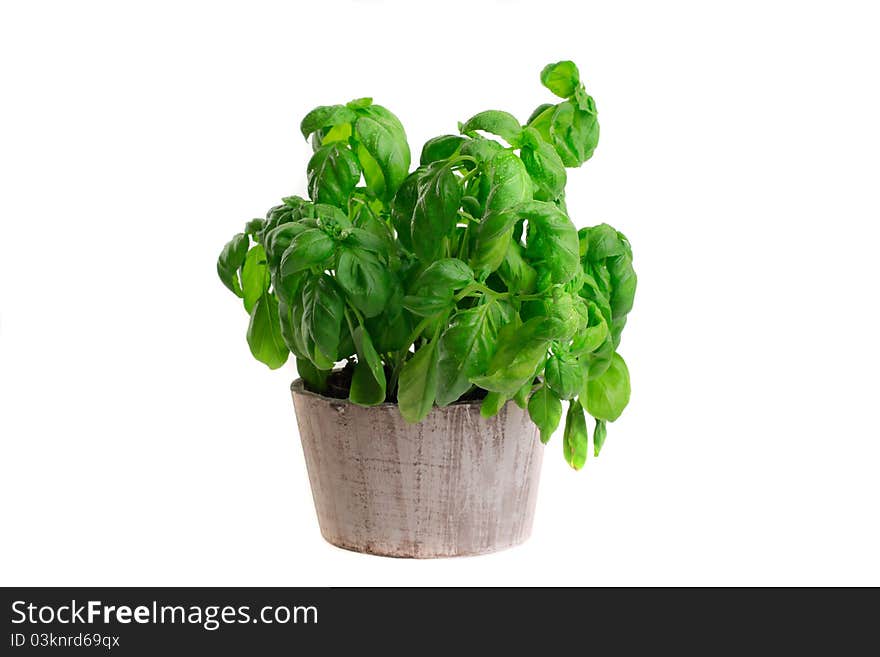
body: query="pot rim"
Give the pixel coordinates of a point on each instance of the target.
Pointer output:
(298, 386)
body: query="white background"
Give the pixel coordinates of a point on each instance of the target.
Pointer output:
(142, 444)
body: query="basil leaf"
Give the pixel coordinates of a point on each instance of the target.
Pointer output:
(565, 375)
(365, 280)
(562, 78)
(230, 261)
(607, 395)
(391, 329)
(254, 227)
(429, 303)
(322, 316)
(279, 238)
(509, 182)
(368, 381)
(574, 436)
(493, 242)
(310, 248)
(492, 403)
(539, 111)
(314, 378)
(574, 132)
(467, 346)
(599, 435)
(326, 116)
(594, 334)
(359, 103)
(382, 136)
(264, 333)
(544, 166)
(552, 241)
(521, 398)
(418, 383)
(402, 207)
(545, 409)
(436, 212)
(450, 273)
(366, 240)
(496, 122)
(518, 275)
(518, 354)
(290, 318)
(254, 277)
(333, 173)
(440, 148)
(481, 149)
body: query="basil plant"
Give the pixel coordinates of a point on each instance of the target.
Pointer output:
(463, 277)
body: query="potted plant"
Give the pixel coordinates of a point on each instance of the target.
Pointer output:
(447, 291)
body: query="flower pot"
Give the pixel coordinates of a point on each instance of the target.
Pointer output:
(454, 484)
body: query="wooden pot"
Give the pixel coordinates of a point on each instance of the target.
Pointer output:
(452, 485)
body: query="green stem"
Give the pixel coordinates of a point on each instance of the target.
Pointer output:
(479, 287)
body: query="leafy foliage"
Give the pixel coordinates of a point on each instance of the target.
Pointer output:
(465, 273)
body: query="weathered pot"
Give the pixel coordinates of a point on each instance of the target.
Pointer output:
(455, 484)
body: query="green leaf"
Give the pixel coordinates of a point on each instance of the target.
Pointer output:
(562, 78)
(574, 437)
(521, 398)
(366, 240)
(492, 403)
(552, 242)
(365, 280)
(601, 242)
(391, 329)
(402, 207)
(326, 116)
(254, 277)
(315, 379)
(429, 302)
(481, 149)
(331, 219)
(254, 227)
(508, 181)
(518, 354)
(322, 317)
(310, 248)
(450, 273)
(440, 148)
(359, 103)
(599, 435)
(495, 122)
(574, 132)
(331, 135)
(418, 383)
(593, 335)
(436, 212)
(545, 409)
(565, 375)
(544, 166)
(373, 176)
(230, 261)
(264, 333)
(290, 317)
(279, 238)
(606, 396)
(333, 173)
(382, 136)
(368, 382)
(518, 275)
(467, 346)
(493, 242)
